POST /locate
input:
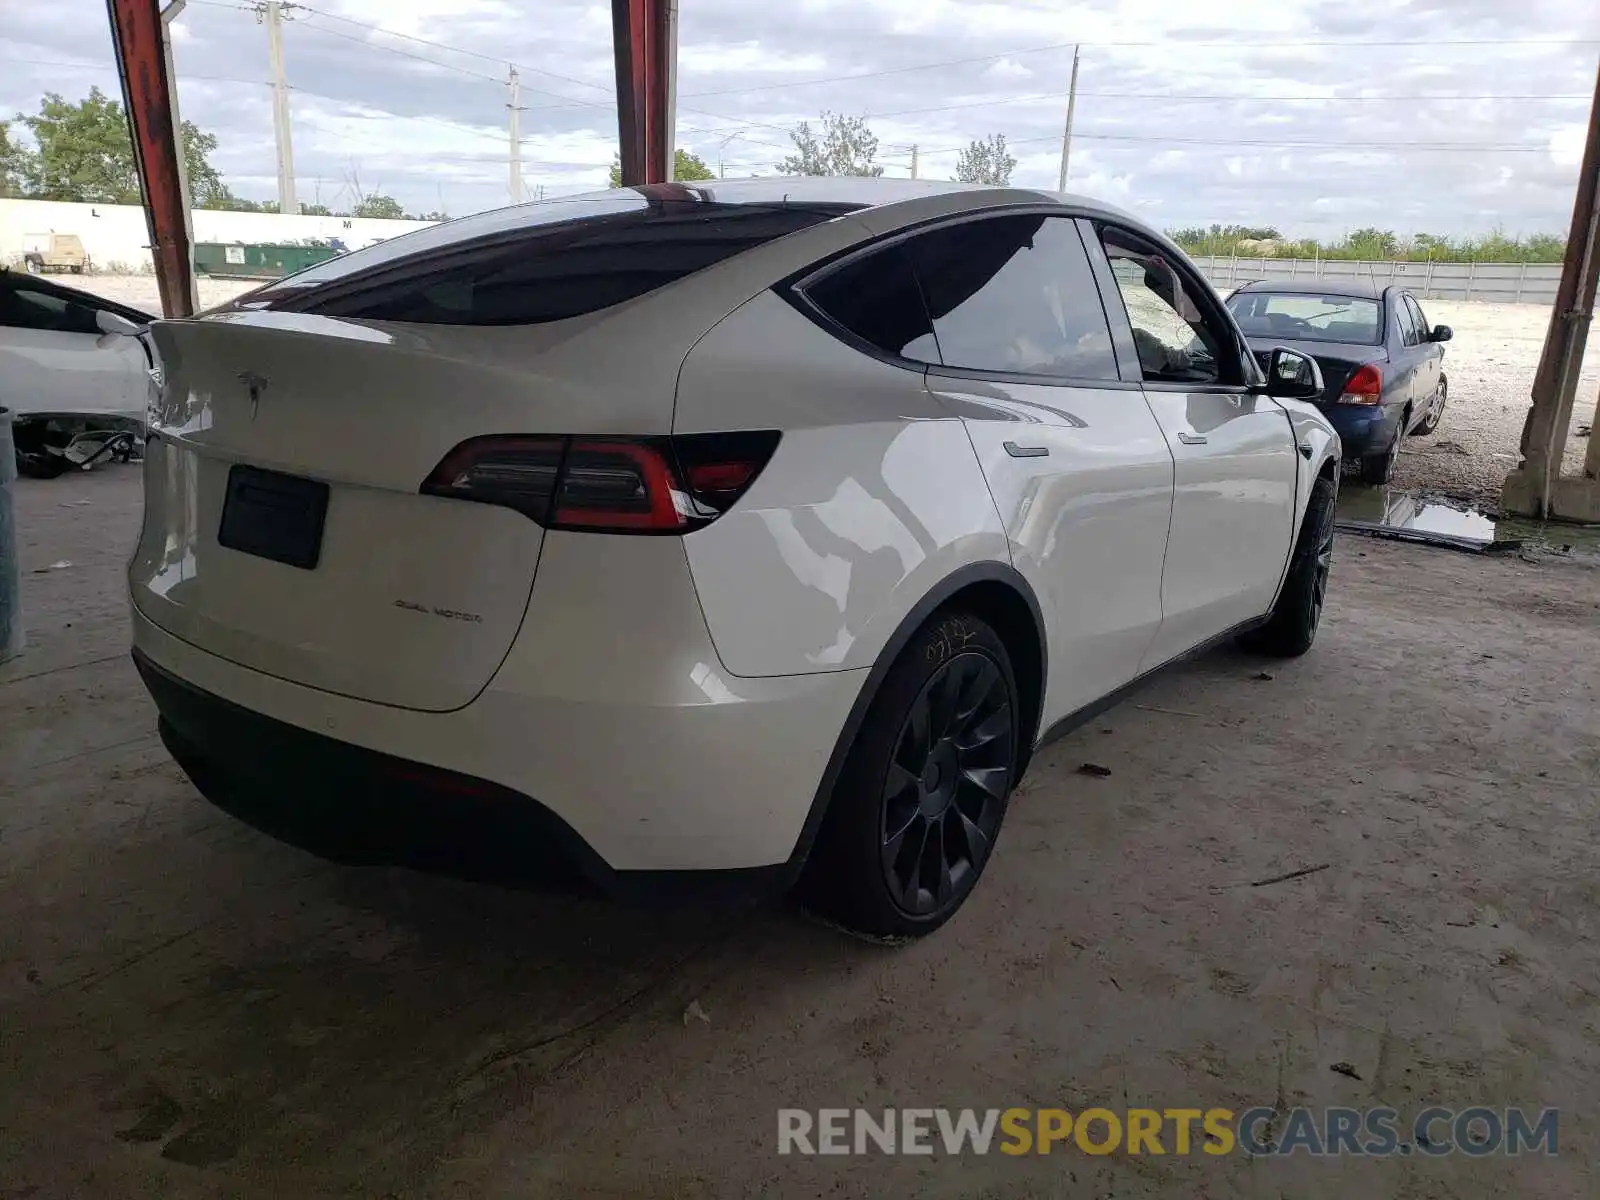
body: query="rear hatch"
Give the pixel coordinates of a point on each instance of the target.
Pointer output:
(285, 526)
(1338, 360)
(311, 438)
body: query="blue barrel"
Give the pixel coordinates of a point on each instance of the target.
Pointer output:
(10, 564)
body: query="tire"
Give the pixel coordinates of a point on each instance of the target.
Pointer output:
(1292, 625)
(932, 767)
(35, 266)
(1437, 415)
(1378, 469)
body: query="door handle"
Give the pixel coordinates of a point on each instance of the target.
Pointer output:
(1017, 451)
(1192, 439)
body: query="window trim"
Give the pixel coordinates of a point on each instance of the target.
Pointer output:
(793, 289)
(1424, 330)
(1392, 301)
(1209, 304)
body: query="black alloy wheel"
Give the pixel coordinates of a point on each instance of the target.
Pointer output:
(1291, 627)
(1322, 566)
(945, 788)
(913, 817)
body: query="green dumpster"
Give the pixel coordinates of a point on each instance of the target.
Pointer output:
(256, 260)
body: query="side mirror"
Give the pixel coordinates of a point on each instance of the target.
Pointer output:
(108, 322)
(1441, 333)
(1293, 376)
(112, 327)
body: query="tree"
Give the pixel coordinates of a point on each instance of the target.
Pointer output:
(206, 189)
(1373, 243)
(686, 168)
(847, 147)
(85, 154)
(430, 216)
(986, 161)
(378, 205)
(15, 163)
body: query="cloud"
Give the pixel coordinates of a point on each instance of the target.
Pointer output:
(1217, 121)
(1566, 146)
(1007, 68)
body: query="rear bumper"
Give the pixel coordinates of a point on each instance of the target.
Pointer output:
(1363, 428)
(635, 766)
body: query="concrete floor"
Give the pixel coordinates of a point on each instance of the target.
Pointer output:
(190, 1009)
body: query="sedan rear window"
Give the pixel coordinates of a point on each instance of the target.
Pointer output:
(1302, 317)
(540, 263)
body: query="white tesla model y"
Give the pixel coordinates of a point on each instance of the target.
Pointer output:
(746, 533)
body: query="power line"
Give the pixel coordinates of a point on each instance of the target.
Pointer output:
(569, 100)
(1285, 144)
(1185, 96)
(457, 50)
(405, 54)
(1242, 43)
(110, 69)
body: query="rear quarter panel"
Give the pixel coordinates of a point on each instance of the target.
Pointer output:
(873, 497)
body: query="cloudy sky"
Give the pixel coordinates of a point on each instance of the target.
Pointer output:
(1317, 116)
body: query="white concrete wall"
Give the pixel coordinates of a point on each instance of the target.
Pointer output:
(116, 233)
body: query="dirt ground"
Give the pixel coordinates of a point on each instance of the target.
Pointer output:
(1490, 364)
(190, 1009)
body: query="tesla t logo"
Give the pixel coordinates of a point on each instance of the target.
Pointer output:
(255, 384)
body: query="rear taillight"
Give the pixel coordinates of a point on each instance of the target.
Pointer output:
(1364, 387)
(606, 485)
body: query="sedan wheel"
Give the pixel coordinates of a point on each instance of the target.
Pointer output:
(1436, 412)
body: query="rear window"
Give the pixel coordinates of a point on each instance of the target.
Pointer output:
(1308, 318)
(539, 263)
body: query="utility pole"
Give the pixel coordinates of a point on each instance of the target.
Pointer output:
(722, 172)
(1536, 488)
(913, 160)
(672, 90)
(1066, 137)
(515, 105)
(169, 14)
(273, 12)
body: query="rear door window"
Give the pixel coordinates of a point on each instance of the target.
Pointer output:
(1408, 324)
(1014, 295)
(1420, 321)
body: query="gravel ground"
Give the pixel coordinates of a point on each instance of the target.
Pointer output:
(1490, 364)
(140, 290)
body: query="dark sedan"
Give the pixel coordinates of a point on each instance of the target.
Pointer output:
(1381, 361)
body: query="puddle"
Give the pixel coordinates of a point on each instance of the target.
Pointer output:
(1413, 517)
